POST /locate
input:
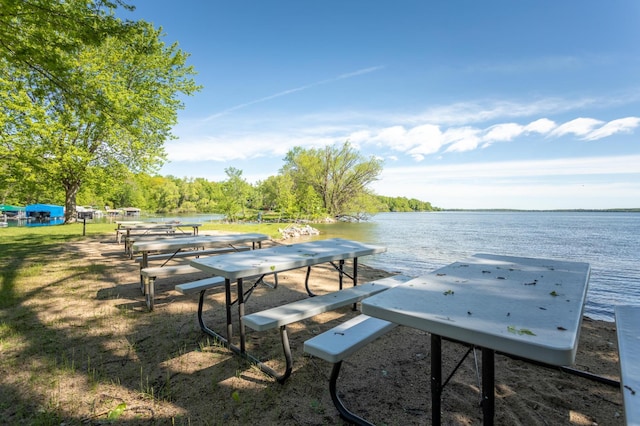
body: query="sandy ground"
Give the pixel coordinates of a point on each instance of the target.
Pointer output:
(159, 368)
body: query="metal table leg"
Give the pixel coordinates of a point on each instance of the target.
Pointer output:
(436, 379)
(488, 385)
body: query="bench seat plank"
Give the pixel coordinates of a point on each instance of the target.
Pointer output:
(307, 308)
(200, 285)
(167, 271)
(345, 339)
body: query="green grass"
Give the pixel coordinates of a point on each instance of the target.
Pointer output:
(16, 241)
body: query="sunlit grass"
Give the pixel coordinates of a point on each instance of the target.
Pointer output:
(38, 236)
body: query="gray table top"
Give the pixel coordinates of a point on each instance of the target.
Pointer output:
(283, 258)
(521, 306)
(171, 244)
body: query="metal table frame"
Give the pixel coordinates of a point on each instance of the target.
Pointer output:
(529, 308)
(260, 263)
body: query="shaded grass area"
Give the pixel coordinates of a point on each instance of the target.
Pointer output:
(68, 354)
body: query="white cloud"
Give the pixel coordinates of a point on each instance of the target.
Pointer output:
(526, 195)
(458, 127)
(579, 127)
(622, 125)
(462, 139)
(417, 141)
(503, 132)
(513, 169)
(542, 126)
(465, 113)
(593, 182)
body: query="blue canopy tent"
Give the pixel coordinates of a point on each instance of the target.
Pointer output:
(44, 212)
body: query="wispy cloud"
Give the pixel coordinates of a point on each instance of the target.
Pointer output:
(589, 182)
(622, 125)
(295, 90)
(579, 127)
(605, 165)
(416, 142)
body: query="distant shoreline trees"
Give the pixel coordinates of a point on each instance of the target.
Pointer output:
(289, 195)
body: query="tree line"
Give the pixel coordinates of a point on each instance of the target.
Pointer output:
(296, 192)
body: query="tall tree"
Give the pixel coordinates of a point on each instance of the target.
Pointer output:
(124, 105)
(235, 191)
(41, 36)
(338, 174)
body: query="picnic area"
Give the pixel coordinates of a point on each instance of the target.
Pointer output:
(79, 345)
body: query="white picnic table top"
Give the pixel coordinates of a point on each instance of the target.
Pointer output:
(153, 225)
(121, 223)
(628, 331)
(283, 258)
(521, 306)
(203, 241)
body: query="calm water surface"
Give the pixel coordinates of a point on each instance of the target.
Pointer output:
(418, 243)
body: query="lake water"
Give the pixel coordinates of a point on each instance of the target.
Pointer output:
(418, 243)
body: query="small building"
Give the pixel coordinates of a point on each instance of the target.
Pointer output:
(12, 212)
(131, 211)
(88, 212)
(44, 212)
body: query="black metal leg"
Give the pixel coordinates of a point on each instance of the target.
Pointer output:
(306, 282)
(227, 291)
(488, 383)
(287, 354)
(355, 279)
(203, 326)
(436, 379)
(240, 315)
(239, 351)
(355, 271)
(337, 402)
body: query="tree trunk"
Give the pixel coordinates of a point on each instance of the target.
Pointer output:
(70, 191)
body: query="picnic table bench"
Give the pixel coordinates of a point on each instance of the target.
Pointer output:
(281, 316)
(150, 274)
(337, 344)
(258, 263)
(627, 323)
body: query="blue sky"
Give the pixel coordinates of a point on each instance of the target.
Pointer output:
(495, 104)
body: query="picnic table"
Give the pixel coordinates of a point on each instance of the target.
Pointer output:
(125, 231)
(530, 308)
(173, 246)
(259, 263)
(167, 249)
